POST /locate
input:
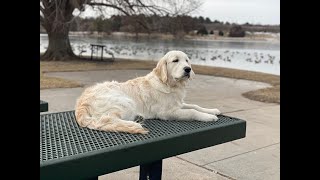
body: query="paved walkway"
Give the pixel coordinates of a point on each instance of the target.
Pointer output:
(255, 157)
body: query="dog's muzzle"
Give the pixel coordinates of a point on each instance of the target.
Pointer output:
(187, 71)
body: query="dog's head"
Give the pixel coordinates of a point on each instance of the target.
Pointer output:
(174, 68)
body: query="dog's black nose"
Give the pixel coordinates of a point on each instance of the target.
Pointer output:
(187, 69)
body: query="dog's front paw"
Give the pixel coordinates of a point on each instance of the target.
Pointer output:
(208, 118)
(214, 111)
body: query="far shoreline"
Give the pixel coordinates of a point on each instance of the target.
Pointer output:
(256, 37)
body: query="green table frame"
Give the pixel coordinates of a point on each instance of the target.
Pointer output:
(43, 106)
(68, 151)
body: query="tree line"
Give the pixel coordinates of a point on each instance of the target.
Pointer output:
(178, 26)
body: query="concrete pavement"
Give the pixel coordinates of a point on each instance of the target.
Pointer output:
(255, 157)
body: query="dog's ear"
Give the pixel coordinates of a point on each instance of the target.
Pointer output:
(192, 74)
(161, 70)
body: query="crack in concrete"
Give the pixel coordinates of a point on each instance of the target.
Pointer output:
(211, 170)
(217, 172)
(239, 110)
(241, 154)
(194, 164)
(226, 176)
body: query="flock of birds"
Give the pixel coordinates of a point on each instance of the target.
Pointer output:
(194, 54)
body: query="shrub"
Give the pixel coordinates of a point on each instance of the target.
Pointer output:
(202, 31)
(221, 33)
(236, 31)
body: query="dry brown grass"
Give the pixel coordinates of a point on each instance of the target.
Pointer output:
(270, 95)
(78, 65)
(54, 82)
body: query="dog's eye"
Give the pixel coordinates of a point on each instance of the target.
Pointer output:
(176, 60)
(187, 60)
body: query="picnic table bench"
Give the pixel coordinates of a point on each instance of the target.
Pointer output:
(68, 151)
(43, 106)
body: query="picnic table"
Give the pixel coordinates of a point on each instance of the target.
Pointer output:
(96, 47)
(43, 106)
(68, 151)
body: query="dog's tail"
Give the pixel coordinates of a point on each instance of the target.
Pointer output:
(112, 123)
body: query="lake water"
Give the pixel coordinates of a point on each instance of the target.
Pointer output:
(247, 55)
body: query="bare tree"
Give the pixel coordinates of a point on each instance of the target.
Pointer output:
(57, 15)
(135, 24)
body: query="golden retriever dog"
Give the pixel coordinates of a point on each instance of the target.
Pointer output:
(115, 107)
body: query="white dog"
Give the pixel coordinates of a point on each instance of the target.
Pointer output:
(114, 106)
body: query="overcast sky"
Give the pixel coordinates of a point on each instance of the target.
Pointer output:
(235, 11)
(241, 11)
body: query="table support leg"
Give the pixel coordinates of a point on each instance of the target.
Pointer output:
(151, 171)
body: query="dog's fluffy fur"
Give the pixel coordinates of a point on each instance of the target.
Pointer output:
(114, 106)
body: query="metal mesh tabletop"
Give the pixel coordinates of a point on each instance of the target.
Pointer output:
(69, 151)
